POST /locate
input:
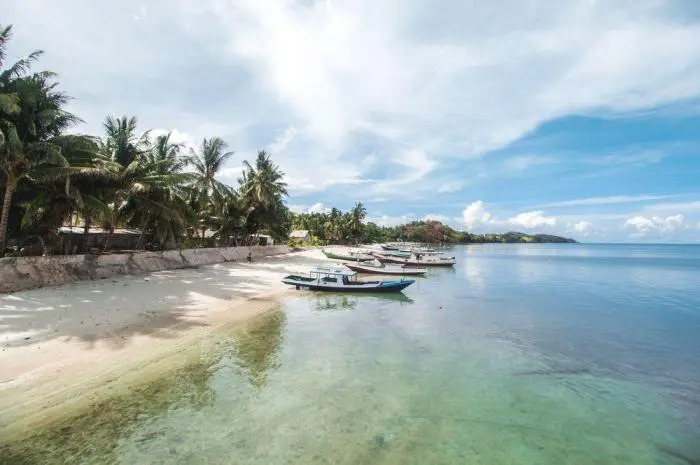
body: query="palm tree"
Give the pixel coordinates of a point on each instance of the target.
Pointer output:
(9, 102)
(354, 221)
(263, 189)
(207, 189)
(207, 164)
(263, 184)
(125, 148)
(31, 133)
(161, 206)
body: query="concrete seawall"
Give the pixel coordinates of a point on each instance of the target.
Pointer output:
(22, 273)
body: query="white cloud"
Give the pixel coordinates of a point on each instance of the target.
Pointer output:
(317, 208)
(176, 136)
(449, 80)
(476, 215)
(283, 140)
(533, 219)
(437, 217)
(656, 225)
(609, 200)
(582, 227)
(386, 220)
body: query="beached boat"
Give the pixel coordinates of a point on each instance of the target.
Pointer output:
(348, 255)
(336, 280)
(388, 247)
(382, 268)
(417, 259)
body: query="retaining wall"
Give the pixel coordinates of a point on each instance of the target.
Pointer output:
(21, 273)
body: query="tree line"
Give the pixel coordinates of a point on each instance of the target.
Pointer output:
(123, 178)
(336, 227)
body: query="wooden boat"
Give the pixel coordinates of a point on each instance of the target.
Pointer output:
(417, 259)
(388, 247)
(354, 256)
(393, 253)
(333, 280)
(382, 268)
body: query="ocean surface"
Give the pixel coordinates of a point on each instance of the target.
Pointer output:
(521, 354)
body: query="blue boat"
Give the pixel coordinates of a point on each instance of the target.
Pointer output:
(339, 280)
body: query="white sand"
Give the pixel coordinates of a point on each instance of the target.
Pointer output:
(60, 344)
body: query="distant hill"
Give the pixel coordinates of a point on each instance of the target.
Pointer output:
(518, 237)
(435, 231)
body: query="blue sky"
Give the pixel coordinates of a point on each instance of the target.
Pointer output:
(579, 118)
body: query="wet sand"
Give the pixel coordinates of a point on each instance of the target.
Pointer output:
(65, 348)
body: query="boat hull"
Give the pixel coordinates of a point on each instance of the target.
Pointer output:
(366, 287)
(387, 271)
(404, 261)
(359, 258)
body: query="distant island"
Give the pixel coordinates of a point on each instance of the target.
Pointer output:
(338, 227)
(436, 232)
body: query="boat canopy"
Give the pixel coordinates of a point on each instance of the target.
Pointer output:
(331, 272)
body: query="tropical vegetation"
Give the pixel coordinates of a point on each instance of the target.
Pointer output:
(335, 227)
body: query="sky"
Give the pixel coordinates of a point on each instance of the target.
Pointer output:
(579, 118)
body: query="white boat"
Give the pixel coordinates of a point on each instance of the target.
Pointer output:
(418, 259)
(338, 280)
(383, 268)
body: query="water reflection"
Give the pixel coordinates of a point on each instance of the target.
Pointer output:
(94, 435)
(258, 345)
(340, 302)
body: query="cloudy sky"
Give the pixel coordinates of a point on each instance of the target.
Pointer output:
(579, 118)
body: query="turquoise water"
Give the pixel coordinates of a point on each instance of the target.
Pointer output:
(522, 354)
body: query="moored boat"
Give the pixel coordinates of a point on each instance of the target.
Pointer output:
(418, 259)
(336, 280)
(348, 255)
(382, 268)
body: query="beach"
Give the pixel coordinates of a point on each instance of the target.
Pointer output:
(64, 348)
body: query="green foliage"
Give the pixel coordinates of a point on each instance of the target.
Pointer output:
(295, 243)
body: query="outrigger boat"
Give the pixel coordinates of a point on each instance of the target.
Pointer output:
(418, 259)
(328, 279)
(354, 256)
(381, 268)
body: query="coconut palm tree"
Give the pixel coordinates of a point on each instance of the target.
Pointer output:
(262, 185)
(354, 221)
(161, 206)
(207, 191)
(207, 164)
(31, 136)
(9, 102)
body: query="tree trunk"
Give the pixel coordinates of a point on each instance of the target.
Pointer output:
(7, 201)
(143, 234)
(86, 232)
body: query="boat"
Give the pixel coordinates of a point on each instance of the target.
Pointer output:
(382, 268)
(338, 280)
(388, 247)
(354, 256)
(418, 259)
(392, 253)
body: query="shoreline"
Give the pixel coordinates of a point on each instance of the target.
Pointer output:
(25, 273)
(69, 347)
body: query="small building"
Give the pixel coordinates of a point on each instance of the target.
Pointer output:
(265, 239)
(301, 235)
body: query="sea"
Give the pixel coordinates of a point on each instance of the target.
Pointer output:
(521, 354)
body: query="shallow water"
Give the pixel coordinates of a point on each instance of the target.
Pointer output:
(523, 354)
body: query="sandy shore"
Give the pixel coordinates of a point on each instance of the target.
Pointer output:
(61, 346)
